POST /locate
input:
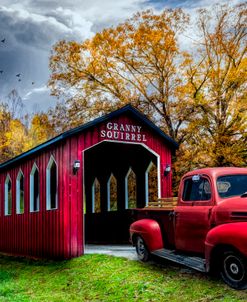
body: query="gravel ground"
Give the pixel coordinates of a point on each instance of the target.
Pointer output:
(126, 251)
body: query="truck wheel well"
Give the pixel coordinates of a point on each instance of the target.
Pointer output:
(133, 239)
(216, 253)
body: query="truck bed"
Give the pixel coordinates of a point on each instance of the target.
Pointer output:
(164, 203)
(163, 215)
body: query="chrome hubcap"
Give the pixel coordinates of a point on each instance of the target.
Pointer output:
(141, 247)
(234, 269)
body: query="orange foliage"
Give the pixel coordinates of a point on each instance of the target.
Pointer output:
(198, 97)
(135, 62)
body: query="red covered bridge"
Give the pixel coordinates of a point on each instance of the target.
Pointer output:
(60, 194)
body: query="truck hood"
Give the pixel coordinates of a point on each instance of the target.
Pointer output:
(231, 210)
(233, 202)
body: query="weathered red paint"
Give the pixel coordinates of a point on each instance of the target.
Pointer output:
(59, 233)
(150, 231)
(201, 226)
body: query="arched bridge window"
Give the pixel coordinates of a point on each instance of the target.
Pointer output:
(51, 185)
(112, 193)
(34, 189)
(20, 193)
(130, 190)
(151, 176)
(8, 196)
(96, 208)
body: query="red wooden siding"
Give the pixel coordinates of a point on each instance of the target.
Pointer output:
(59, 233)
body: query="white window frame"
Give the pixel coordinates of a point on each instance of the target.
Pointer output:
(126, 184)
(108, 185)
(6, 201)
(93, 196)
(18, 192)
(34, 168)
(48, 186)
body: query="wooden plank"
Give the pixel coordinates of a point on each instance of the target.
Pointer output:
(164, 202)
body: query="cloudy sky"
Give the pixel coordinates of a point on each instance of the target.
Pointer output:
(29, 28)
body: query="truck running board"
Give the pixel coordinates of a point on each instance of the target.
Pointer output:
(192, 262)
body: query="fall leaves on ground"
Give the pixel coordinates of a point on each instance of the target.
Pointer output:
(196, 95)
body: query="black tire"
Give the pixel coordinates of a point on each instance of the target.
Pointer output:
(233, 270)
(141, 249)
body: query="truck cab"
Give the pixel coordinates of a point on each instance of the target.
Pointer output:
(205, 230)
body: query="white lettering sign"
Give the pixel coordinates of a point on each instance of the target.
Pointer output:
(126, 132)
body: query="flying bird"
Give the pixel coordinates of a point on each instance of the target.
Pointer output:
(3, 40)
(32, 83)
(18, 75)
(1, 71)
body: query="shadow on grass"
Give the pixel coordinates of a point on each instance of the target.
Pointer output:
(5, 275)
(160, 264)
(98, 277)
(12, 266)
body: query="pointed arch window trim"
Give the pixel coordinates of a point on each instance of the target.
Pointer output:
(7, 208)
(20, 176)
(34, 169)
(93, 195)
(127, 187)
(146, 180)
(109, 191)
(48, 184)
(96, 180)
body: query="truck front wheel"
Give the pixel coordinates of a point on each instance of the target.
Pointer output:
(141, 249)
(233, 270)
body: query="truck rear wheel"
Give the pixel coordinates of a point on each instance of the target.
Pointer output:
(141, 249)
(233, 270)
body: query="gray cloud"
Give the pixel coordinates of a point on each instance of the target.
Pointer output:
(41, 30)
(31, 27)
(190, 4)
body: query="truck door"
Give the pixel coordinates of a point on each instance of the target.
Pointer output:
(192, 216)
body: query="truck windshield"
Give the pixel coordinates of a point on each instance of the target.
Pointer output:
(232, 185)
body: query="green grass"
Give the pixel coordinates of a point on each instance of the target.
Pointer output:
(106, 278)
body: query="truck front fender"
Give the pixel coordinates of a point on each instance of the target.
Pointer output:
(150, 231)
(231, 234)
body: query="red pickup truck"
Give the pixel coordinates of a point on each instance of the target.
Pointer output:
(206, 230)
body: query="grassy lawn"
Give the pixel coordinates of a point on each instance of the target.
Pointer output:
(106, 278)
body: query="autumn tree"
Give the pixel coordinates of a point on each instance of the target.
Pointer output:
(15, 139)
(198, 97)
(19, 131)
(40, 130)
(136, 62)
(15, 104)
(5, 118)
(13, 133)
(64, 117)
(216, 86)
